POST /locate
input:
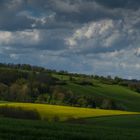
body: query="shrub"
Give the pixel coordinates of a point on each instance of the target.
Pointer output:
(84, 83)
(18, 112)
(108, 104)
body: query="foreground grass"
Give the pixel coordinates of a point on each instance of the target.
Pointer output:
(125, 121)
(102, 128)
(62, 113)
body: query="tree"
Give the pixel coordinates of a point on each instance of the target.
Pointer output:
(58, 95)
(82, 102)
(13, 92)
(4, 89)
(43, 98)
(108, 104)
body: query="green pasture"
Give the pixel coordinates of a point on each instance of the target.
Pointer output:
(125, 127)
(123, 95)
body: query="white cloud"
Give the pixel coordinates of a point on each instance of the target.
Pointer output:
(5, 37)
(92, 31)
(104, 35)
(14, 56)
(27, 37)
(112, 39)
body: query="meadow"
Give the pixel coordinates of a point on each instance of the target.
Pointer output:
(121, 94)
(125, 127)
(124, 96)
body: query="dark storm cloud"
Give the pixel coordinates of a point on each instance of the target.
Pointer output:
(130, 4)
(81, 11)
(28, 14)
(9, 19)
(72, 34)
(64, 12)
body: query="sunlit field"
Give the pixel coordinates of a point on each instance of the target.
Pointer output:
(62, 113)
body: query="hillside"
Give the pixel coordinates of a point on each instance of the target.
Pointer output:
(66, 106)
(123, 95)
(25, 83)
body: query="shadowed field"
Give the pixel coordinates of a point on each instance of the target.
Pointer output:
(103, 128)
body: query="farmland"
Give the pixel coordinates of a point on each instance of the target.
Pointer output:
(63, 113)
(102, 128)
(42, 104)
(70, 123)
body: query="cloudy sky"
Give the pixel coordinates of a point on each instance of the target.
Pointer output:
(85, 36)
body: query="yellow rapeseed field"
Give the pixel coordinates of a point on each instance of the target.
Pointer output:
(65, 112)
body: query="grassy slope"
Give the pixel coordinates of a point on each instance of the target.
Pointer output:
(49, 112)
(123, 95)
(104, 128)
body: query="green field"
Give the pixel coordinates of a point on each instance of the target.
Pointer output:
(72, 123)
(123, 95)
(49, 112)
(101, 128)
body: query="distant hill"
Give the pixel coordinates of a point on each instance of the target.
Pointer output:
(26, 83)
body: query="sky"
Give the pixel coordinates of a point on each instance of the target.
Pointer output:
(85, 36)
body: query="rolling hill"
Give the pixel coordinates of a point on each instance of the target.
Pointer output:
(27, 88)
(123, 95)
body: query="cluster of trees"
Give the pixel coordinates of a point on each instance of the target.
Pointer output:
(61, 96)
(17, 85)
(22, 67)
